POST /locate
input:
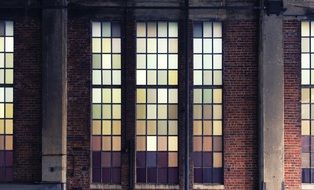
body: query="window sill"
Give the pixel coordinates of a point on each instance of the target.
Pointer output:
(153, 186)
(307, 186)
(208, 186)
(104, 186)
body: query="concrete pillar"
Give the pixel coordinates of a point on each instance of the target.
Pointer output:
(271, 105)
(54, 92)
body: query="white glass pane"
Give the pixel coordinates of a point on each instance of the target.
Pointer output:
(9, 28)
(305, 45)
(173, 46)
(197, 46)
(9, 94)
(198, 77)
(96, 29)
(173, 95)
(116, 45)
(141, 77)
(1, 60)
(162, 61)
(207, 46)
(151, 61)
(151, 143)
(151, 77)
(217, 62)
(217, 46)
(162, 96)
(151, 45)
(173, 61)
(151, 111)
(141, 45)
(305, 77)
(106, 61)
(106, 77)
(162, 45)
(141, 61)
(217, 29)
(96, 45)
(207, 30)
(1, 94)
(9, 43)
(198, 62)
(116, 77)
(162, 29)
(106, 29)
(96, 95)
(207, 62)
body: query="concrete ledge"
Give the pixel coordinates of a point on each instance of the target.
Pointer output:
(31, 186)
(104, 186)
(308, 186)
(153, 186)
(208, 186)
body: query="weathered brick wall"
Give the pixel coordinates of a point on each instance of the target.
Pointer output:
(79, 98)
(292, 109)
(240, 104)
(27, 99)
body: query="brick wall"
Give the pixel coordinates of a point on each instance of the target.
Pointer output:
(79, 98)
(27, 99)
(240, 104)
(292, 90)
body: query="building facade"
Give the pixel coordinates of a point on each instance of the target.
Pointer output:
(176, 94)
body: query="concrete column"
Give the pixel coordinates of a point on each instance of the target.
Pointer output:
(54, 93)
(271, 105)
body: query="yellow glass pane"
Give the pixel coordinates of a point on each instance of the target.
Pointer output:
(162, 143)
(9, 110)
(116, 143)
(141, 45)
(2, 44)
(9, 60)
(106, 45)
(173, 95)
(197, 128)
(173, 111)
(1, 126)
(116, 61)
(217, 128)
(305, 128)
(172, 127)
(96, 127)
(96, 45)
(9, 142)
(96, 111)
(162, 127)
(106, 95)
(106, 143)
(197, 112)
(141, 29)
(116, 95)
(217, 95)
(151, 128)
(151, 143)
(151, 95)
(116, 45)
(1, 142)
(217, 160)
(305, 110)
(172, 143)
(172, 159)
(305, 95)
(9, 76)
(141, 95)
(197, 96)
(151, 29)
(172, 77)
(116, 111)
(162, 111)
(207, 127)
(140, 143)
(217, 111)
(151, 111)
(305, 28)
(140, 128)
(106, 111)
(151, 45)
(173, 45)
(9, 126)
(106, 127)
(151, 77)
(116, 127)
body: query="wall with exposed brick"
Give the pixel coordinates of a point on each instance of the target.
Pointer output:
(27, 98)
(79, 98)
(240, 104)
(292, 93)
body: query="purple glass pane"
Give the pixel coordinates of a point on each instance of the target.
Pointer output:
(151, 175)
(312, 144)
(305, 143)
(9, 158)
(217, 143)
(173, 175)
(96, 175)
(2, 29)
(162, 159)
(162, 175)
(116, 175)
(198, 175)
(151, 159)
(116, 159)
(2, 174)
(141, 175)
(116, 29)
(207, 175)
(306, 175)
(2, 153)
(197, 30)
(106, 159)
(140, 159)
(9, 174)
(96, 159)
(197, 158)
(207, 159)
(218, 175)
(106, 175)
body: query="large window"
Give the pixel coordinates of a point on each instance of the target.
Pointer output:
(207, 102)
(157, 102)
(106, 102)
(6, 100)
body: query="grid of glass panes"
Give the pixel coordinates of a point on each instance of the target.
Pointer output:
(6, 100)
(307, 101)
(207, 102)
(157, 102)
(106, 102)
